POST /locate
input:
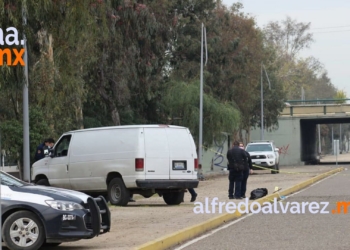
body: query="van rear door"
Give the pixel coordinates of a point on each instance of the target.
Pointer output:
(157, 153)
(182, 153)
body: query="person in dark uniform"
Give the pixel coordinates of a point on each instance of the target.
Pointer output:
(248, 170)
(237, 159)
(39, 154)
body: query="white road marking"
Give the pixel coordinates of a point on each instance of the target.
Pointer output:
(212, 232)
(244, 217)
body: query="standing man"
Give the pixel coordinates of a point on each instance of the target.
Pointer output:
(237, 161)
(248, 170)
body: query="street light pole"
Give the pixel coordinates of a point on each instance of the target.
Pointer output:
(262, 100)
(0, 196)
(262, 105)
(204, 36)
(26, 149)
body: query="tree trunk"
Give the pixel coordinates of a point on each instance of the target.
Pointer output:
(247, 136)
(115, 115)
(108, 99)
(240, 135)
(20, 170)
(79, 114)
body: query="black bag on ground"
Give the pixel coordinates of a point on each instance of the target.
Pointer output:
(258, 193)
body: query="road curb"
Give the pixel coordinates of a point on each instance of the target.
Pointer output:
(191, 232)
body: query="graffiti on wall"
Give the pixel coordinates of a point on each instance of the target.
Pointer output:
(284, 150)
(219, 159)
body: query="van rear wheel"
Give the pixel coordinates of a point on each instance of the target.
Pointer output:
(118, 194)
(174, 198)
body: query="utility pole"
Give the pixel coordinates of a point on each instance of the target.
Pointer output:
(26, 149)
(204, 36)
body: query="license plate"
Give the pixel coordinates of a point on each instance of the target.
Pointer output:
(179, 166)
(258, 162)
(69, 217)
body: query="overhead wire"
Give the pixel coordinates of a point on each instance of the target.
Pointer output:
(333, 27)
(334, 31)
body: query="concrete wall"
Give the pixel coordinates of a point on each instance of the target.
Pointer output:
(12, 170)
(287, 138)
(214, 158)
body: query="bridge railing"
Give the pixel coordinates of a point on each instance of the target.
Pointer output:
(315, 107)
(317, 101)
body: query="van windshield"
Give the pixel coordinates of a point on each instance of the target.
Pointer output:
(259, 147)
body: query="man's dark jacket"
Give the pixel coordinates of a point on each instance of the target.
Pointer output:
(236, 155)
(250, 164)
(39, 154)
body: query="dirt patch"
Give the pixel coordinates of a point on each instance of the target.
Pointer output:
(149, 219)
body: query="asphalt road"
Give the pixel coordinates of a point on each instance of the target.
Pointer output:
(289, 231)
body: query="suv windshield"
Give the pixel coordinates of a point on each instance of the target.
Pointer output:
(8, 180)
(259, 147)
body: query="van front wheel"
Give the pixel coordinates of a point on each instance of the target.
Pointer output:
(43, 182)
(118, 194)
(174, 198)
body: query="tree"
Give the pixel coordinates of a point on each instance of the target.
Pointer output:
(340, 95)
(181, 102)
(235, 50)
(289, 37)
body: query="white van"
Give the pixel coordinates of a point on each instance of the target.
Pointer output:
(123, 160)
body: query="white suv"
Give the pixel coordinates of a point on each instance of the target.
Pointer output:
(264, 154)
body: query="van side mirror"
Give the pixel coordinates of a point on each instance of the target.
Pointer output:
(48, 151)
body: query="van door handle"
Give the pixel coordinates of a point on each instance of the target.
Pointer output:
(67, 168)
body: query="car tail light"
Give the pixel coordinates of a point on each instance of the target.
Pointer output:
(139, 164)
(195, 164)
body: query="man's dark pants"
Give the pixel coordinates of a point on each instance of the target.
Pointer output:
(244, 182)
(192, 192)
(235, 178)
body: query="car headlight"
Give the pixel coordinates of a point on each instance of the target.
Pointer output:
(64, 205)
(270, 156)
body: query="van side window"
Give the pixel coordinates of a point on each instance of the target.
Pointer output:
(61, 149)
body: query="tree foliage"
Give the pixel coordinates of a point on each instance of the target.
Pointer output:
(181, 104)
(113, 62)
(340, 95)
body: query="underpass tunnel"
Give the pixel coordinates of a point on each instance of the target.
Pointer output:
(317, 141)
